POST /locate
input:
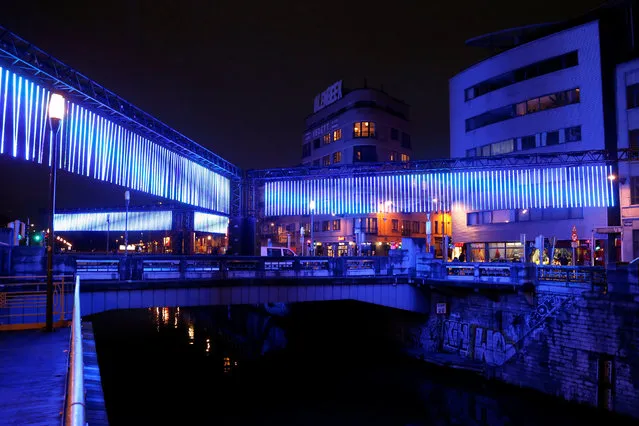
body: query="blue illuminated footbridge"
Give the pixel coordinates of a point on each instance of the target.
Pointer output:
(103, 136)
(557, 180)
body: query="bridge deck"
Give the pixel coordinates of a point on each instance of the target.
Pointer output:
(33, 372)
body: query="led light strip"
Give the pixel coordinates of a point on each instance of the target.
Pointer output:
(93, 146)
(137, 221)
(579, 186)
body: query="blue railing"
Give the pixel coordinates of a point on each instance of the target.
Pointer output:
(75, 408)
(145, 267)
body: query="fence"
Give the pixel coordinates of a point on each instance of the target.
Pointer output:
(23, 301)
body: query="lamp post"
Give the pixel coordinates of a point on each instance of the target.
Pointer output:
(127, 199)
(56, 114)
(108, 225)
(311, 207)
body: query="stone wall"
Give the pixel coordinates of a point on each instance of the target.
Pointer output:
(579, 345)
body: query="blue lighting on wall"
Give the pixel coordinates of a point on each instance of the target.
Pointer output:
(95, 147)
(213, 223)
(578, 186)
(138, 221)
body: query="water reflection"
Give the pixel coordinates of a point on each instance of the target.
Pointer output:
(319, 364)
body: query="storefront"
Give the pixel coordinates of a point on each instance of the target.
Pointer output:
(495, 252)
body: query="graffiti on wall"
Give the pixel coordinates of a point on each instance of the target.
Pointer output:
(495, 347)
(546, 306)
(479, 343)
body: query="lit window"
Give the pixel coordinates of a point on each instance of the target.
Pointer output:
(337, 134)
(326, 160)
(364, 129)
(573, 134)
(337, 225)
(327, 139)
(405, 158)
(337, 157)
(393, 156)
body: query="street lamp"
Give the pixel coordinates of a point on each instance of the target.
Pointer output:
(56, 114)
(311, 207)
(108, 221)
(127, 199)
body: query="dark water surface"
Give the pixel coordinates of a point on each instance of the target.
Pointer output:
(329, 363)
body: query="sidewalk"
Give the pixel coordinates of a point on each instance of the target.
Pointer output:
(33, 376)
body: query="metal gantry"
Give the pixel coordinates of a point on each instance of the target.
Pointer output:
(448, 164)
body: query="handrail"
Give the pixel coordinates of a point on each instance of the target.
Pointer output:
(75, 408)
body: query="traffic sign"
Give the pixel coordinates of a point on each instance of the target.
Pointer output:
(574, 237)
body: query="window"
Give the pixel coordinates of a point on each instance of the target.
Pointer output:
(529, 142)
(393, 156)
(316, 144)
(326, 225)
(395, 224)
(316, 226)
(573, 134)
(503, 147)
(316, 162)
(337, 224)
(634, 190)
(520, 108)
(471, 152)
(394, 134)
(552, 138)
(327, 138)
(405, 140)
(405, 158)
(416, 227)
(633, 139)
(337, 134)
(364, 129)
(337, 157)
(406, 228)
(537, 69)
(489, 117)
(632, 96)
(364, 154)
(530, 106)
(503, 216)
(326, 160)
(371, 225)
(306, 150)
(485, 151)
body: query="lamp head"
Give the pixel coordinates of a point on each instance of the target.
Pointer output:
(56, 107)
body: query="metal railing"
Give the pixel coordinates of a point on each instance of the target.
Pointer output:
(75, 407)
(23, 301)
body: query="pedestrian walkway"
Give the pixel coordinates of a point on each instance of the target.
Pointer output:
(33, 374)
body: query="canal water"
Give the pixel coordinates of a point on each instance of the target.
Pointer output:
(329, 363)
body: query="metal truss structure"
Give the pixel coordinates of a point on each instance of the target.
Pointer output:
(448, 164)
(24, 58)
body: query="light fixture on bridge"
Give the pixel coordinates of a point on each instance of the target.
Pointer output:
(56, 111)
(311, 207)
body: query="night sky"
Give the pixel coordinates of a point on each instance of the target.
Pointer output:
(240, 77)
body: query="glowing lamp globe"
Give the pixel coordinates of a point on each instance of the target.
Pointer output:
(56, 107)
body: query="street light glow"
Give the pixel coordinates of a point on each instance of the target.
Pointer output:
(56, 106)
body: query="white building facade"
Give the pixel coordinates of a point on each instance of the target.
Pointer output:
(628, 138)
(543, 96)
